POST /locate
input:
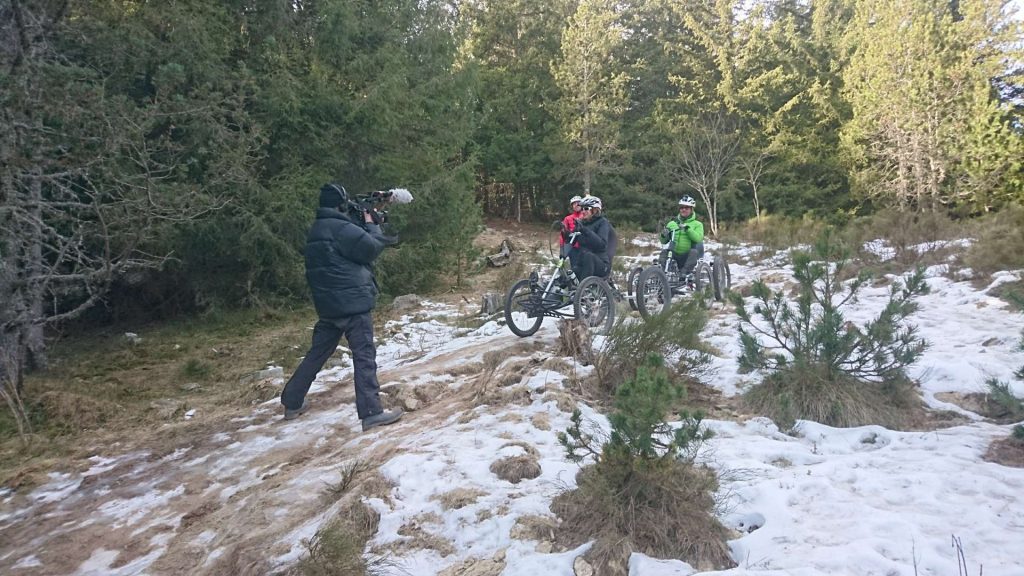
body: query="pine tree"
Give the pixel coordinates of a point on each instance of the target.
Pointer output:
(927, 129)
(593, 88)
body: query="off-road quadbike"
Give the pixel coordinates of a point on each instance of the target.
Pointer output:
(651, 289)
(531, 299)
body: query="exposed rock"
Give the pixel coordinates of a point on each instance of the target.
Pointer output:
(406, 302)
(265, 374)
(581, 567)
(478, 566)
(167, 408)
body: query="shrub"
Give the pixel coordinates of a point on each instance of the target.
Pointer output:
(338, 547)
(644, 492)
(1000, 242)
(915, 238)
(1000, 394)
(816, 364)
(1018, 432)
(775, 232)
(673, 334)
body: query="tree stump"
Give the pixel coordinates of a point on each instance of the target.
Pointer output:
(574, 339)
(491, 304)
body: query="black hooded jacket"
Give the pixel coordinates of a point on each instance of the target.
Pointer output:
(597, 236)
(339, 257)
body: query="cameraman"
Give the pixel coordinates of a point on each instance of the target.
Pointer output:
(339, 255)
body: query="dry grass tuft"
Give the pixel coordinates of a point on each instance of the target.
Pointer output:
(556, 364)
(663, 509)
(808, 395)
(514, 469)
(1007, 451)
(472, 369)
(563, 401)
(459, 498)
(528, 448)
(541, 421)
(72, 412)
(534, 527)
(376, 485)
(417, 537)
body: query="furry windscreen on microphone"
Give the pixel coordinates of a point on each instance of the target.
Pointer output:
(400, 196)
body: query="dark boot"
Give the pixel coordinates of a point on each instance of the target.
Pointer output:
(382, 419)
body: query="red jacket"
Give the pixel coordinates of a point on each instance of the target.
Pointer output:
(570, 224)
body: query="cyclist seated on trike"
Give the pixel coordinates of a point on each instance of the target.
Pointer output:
(689, 237)
(591, 254)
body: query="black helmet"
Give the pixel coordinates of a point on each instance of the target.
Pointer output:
(333, 195)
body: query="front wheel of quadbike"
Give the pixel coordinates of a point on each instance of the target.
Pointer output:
(519, 304)
(632, 282)
(704, 284)
(595, 304)
(722, 277)
(654, 293)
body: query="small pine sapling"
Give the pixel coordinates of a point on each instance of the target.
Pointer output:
(814, 336)
(638, 427)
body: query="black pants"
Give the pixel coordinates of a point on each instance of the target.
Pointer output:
(687, 261)
(358, 330)
(586, 264)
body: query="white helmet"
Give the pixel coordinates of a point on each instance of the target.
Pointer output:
(591, 202)
(687, 201)
(575, 199)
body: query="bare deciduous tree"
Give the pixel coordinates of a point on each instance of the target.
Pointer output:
(753, 166)
(703, 158)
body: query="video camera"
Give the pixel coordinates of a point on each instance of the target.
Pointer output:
(374, 202)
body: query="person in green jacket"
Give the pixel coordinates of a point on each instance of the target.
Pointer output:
(689, 236)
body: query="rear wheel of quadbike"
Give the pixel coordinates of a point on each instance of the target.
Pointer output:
(595, 304)
(722, 277)
(654, 294)
(704, 284)
(519, 304)
(631, 286)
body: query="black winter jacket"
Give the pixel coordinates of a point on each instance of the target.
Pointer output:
(596, 236)
(339, 254)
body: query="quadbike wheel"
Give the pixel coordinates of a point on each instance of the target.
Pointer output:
(520, 300)
(654, 293)
(722, 277)
(595, 304)
(704, 284)
(631, 286)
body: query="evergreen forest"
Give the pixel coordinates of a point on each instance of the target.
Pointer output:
(163, 158)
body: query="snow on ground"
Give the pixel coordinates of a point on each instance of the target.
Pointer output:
(820, 501)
